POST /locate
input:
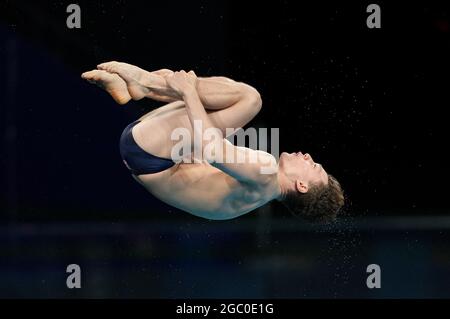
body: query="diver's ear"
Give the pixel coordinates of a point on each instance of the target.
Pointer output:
(301, 186)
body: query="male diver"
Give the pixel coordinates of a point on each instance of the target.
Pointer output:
(209, 187)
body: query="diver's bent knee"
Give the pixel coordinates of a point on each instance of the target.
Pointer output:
(254, 99)
(252, 95)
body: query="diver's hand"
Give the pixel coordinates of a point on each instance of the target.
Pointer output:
(182, 83)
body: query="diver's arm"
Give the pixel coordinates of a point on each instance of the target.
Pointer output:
(244, 164)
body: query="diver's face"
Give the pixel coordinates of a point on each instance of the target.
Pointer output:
(302, 168)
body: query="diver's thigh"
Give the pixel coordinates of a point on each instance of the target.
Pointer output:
(163, 110)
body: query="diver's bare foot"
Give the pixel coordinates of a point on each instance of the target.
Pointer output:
(111, 83)
(140, 83)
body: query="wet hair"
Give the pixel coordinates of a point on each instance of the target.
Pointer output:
(321, 203)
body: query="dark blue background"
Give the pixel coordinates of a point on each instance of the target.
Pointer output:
(370, 105)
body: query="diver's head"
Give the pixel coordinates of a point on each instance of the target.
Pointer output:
(308, 191)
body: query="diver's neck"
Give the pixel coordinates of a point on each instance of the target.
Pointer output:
(280, 181)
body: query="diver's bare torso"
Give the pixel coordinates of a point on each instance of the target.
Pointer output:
(197, 188)
(203, 190)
